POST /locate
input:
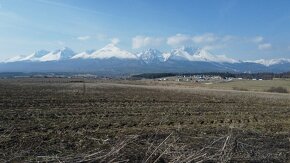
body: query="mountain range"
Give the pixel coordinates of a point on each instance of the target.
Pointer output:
(113, 60)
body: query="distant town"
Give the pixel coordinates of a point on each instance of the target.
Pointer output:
(180, 77)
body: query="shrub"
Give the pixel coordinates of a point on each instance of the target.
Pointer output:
(278, 90)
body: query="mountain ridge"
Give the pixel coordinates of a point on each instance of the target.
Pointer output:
(113, 59)
(148, 56)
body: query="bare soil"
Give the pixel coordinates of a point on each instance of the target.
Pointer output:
(66, 120)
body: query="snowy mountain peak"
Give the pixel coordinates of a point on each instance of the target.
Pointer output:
(36, 55)
(15, 59)
(271, 62)
(65, 49)
(189, 50)
(40, 53)
(183, 53)
(111, 51)
(208, 56)
(66, 53)
(62, 54)
(199, 54)
(151, 56)
(191, 54)
(32, 57)
(83, 55)
(204, 55)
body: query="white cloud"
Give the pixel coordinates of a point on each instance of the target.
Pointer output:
(84, 38)
(257, 39)
(205, 38)
(228, 38)
(178, 39)
(115, 41)
(213, 47)
(265, 46)
(209, 41)
(144, 41)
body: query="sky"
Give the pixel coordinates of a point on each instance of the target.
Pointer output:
(240, 29)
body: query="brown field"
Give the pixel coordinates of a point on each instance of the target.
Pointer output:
(250, 85)
(65, 120)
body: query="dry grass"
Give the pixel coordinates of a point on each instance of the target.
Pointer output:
(61, 121)
(240, 89)
(251, 85)
(277, 90)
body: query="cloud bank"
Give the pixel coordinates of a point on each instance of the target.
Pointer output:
(146, 41)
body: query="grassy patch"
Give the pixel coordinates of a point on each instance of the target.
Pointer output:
(277, 90)
(252, 85)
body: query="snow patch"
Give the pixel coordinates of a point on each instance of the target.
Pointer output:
(111, 51)
(271, 62)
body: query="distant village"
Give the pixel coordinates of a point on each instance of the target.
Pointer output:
(204, 78)
(186, 77)
(215, 76)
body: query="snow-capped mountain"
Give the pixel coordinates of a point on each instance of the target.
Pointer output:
(111, 51)
(151, 56)
(35, 56)
(111, 59)
(62, 54)
(271, 62)
(191, 54)
(32, 57)
(107, 52)
(44, 56)
(183, 53)
(15, 59)
(83, 55)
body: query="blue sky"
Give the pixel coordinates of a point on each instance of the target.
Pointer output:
(241, 29)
